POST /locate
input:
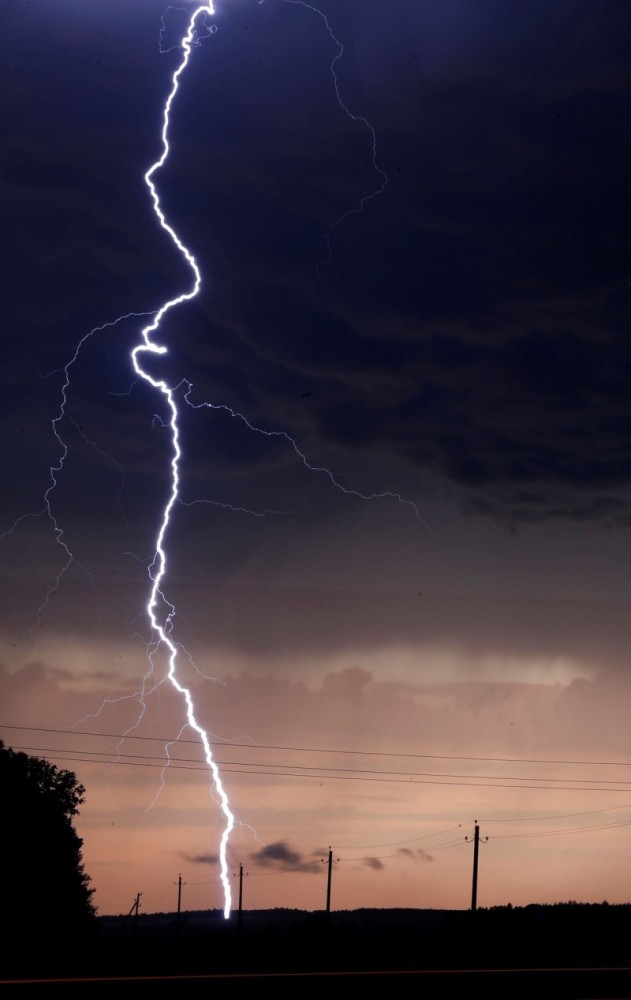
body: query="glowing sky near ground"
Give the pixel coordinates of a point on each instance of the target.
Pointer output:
(380, 680)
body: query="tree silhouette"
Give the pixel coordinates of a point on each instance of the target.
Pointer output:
(45, 891)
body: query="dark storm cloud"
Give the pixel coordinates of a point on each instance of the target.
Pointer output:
(280, 855)
(471, 319)
(374, 863)
(285, 626)
(414, 855)
(292, 623)
(201, 859)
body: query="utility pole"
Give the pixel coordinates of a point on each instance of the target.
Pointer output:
(476, 844)
(328, 881)
(135, 909)
(240, 897)
(179, 905)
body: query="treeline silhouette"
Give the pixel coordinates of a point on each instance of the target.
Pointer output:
(566, 934)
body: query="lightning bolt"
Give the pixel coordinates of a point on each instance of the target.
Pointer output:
(56, 471)
(159, 610)
(349, 114)
(284, 436)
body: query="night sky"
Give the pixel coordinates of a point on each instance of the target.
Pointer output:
(402, 541)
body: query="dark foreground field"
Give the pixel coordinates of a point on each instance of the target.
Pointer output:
(566, 951)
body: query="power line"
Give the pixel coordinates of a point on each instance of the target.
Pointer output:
(397, 843)
(406, 778)
(328, 750)
(535, 819)
(181, 762)
(556, 833)
(298, 771)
